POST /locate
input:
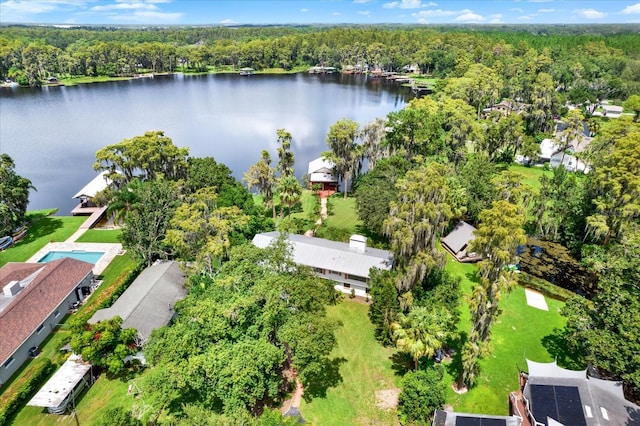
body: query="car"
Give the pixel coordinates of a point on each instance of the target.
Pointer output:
(34, 351)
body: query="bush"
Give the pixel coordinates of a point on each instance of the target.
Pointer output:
(24, 388)
(544, 287)
(422, 393)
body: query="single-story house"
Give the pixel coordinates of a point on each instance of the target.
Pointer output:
(450, 418)
(320, 171)
(148, 303)
(608, 110)
(457, 241)
(90, 190)
(557, 396)
(64, 386)
(346, 264)
(35, 297)
(504, 107)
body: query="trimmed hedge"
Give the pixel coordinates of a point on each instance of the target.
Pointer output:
(544, 287)
(22, 389)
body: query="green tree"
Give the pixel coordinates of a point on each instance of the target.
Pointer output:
(496, 239)
(200, 230)
(616, 187)
(421, 332)
(105, 344)
(206, 172)
(422, 393)
(415, 221)
(147, 222)
(289, 192)
(148, 157)
(345, 153)
(373, 135)
(262, 176)
(122, 201)
(286, 158)
(633, 104)
(416, 129)
(14, 196)
(384, 308)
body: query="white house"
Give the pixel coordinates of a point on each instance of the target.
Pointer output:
(35, 297)
(552, 153)
(347, 264)
(320, 171)
(90, 190)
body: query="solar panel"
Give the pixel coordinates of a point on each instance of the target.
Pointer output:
(479, 421)
(561, 403)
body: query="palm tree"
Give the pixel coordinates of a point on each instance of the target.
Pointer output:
(289, 193)
(123, 200)
(421, 332)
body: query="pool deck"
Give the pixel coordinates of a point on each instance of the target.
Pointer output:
(110, 252)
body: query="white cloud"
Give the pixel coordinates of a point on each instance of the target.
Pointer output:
(590, 13)
(228, 22)
(408, 4)
(525, 17)
(125, 6)
(633, 9)
(495, 19)
(364, 12)
(146, 16)
(437, 13)
(546, 10)
(304, 10)
(336, 13)
(361, 1)
(36, 7)
(469, 17)
(517, 9)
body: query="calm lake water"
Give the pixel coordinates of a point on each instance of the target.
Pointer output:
(53, 133)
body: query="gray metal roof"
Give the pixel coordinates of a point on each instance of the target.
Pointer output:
(332, 255)
(148, 302)
(460, 235)
(604, 399)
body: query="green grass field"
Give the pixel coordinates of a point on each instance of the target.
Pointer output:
(343, 214)
(44, 229)
(521, 332)
(531, 175)
(100, 236)
(364, 368)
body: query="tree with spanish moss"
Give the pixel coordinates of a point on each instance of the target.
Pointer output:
(263, 177)
(346, 153)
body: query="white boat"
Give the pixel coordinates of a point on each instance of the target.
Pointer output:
(5, 242)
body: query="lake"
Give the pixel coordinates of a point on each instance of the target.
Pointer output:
(53, 133)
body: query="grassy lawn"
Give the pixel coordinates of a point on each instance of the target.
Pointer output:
(343, 214)
(531, 175)
(100, 236)
(520, 332)
(364, 368)
(308, 202)
(44, 229)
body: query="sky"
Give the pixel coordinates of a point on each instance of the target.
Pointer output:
(238, 12)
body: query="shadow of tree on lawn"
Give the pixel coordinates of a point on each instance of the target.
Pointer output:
(327, 376)
(556, 344)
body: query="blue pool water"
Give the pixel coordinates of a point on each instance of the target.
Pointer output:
(86, 256)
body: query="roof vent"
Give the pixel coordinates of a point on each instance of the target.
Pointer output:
(358, 243)
(12, 288)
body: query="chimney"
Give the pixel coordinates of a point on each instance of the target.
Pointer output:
(12, 288)
(358, 243)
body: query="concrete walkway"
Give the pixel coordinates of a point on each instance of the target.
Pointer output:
(323, 214)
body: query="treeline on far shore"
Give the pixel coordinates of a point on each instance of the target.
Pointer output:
(588, 61)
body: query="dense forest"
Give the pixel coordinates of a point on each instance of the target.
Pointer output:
(442, 159)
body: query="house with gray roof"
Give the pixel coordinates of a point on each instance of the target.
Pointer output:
(34, 299)
(557, 396)
(457, 241)
(149, 301)
(346, 264)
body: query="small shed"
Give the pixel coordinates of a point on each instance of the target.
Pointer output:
(457, 241)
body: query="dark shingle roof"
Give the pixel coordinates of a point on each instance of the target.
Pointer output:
(51, 284)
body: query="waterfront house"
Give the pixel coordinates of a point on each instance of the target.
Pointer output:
(88, 192)
(34, 298)
(346, 264)
(320, 171)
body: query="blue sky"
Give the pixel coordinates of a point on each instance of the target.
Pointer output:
(231, 12)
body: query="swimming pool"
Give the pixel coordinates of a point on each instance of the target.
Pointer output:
(86, 256)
